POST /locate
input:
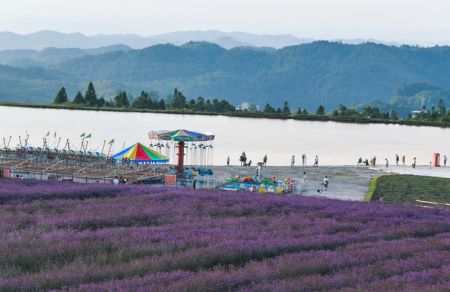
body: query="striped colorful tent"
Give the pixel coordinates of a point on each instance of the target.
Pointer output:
(183, 136)
(139, 153)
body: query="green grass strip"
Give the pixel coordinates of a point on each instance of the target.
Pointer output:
(372, 188)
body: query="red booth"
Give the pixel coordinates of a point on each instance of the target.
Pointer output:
(436, 159)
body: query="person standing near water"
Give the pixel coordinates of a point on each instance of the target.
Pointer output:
(265, 160)
(259, 172)
(303, 159)
(414, 163)
(397, 159)
(316, 161)
(403, 159)
(387, 162)
(293, 161)
(325, 183)
(445, 160)
(228, 161)
(359, 161)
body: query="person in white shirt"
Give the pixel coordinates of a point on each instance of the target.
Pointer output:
(325, 183)
(116, 181)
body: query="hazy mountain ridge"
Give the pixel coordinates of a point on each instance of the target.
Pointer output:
(43, 39)
(412, 97)
(51, 55)
(304, 75)
(307, 75)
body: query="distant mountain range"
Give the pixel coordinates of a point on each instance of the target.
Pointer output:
(305, 75)
(43, 39)
(50, 55)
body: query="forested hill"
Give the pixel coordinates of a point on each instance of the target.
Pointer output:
(305, 75)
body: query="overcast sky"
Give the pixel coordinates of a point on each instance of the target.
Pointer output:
(395, 20)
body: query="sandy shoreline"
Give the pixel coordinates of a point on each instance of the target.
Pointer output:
(419, 170)
(345, 182)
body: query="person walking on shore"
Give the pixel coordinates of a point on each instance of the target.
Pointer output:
(387, 162)
(243, 159)
(228, 161)
(397, 159)
(316, 161)
(258, 172)
(403, 160)
(303, 159)
(445, 160)
(373, 162)
(359, 161)
(293, 161)
(325, 183)
(265, 160)
(414, 163)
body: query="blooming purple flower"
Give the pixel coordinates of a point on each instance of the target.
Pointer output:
(146, 238)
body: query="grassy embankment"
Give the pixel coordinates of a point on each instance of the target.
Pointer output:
(400, 189)
(242, 114)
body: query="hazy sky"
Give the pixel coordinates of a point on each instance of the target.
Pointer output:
(400, 20)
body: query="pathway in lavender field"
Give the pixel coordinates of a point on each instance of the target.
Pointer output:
(345, 182)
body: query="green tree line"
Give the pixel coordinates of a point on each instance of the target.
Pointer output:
(177, 101)
(145, 100)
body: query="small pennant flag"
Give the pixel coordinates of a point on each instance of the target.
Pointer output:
(112, 141)
(82, 135)
(88, 136)
(54, 135)
(48, 134)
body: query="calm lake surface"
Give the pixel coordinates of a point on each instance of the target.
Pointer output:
(334, 143)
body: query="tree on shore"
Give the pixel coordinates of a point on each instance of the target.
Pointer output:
(286, 109)
(79, 99)
(320, 110)
(268, 109)
(162, 104)
(90, 97)
(302, 112)
(61, 97)
(178, 100)
(121, 100)
(143, 101)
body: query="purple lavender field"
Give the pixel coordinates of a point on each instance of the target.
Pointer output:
(139, 238)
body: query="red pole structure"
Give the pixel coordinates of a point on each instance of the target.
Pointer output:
(180, 157)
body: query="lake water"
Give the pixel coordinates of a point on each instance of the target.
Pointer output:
(334, 143)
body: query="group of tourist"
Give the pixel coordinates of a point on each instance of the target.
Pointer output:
(316, 160)
(397, 161)
(243, 160)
